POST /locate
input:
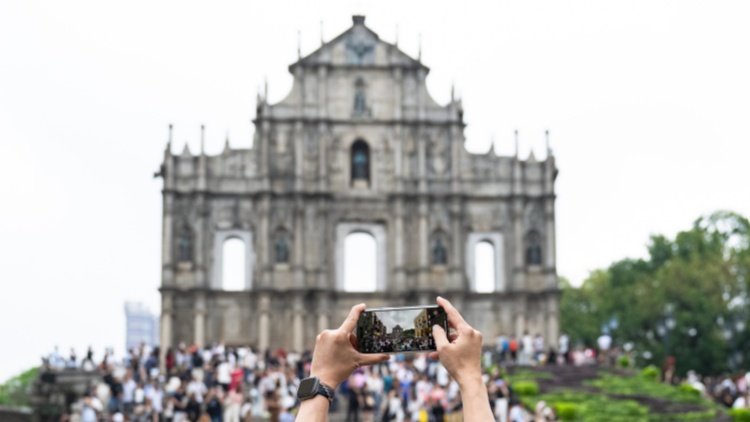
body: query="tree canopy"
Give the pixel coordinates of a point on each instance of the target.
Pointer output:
(688, 298)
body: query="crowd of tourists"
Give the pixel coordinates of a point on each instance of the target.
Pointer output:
(218, 383)
(223, 384)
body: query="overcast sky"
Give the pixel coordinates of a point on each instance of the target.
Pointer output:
(647, 103)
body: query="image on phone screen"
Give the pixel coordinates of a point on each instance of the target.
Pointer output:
(399, 330)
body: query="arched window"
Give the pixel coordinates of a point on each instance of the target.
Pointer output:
(233, 264)
(360, 262)
(533, 248)
(360, 162)
(484, 267)
(281, 247)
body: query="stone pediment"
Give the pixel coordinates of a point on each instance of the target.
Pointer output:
(358, 46)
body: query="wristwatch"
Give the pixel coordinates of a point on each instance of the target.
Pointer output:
(311, 387)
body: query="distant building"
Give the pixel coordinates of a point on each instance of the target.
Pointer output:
(357, 147)
(140, 325)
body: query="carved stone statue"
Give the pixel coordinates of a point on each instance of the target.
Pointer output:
(439, 254)
(185, 247)
(534, 250)
(282, 249)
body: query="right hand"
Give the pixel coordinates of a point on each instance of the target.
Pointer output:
(462, 353)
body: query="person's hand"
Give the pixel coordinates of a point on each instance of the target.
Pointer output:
(336, 356)
(461, 352)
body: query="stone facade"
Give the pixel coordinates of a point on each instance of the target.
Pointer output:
(358, 145)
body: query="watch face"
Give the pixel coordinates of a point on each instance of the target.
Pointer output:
(307, 387)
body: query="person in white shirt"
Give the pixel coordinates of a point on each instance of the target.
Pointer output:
(604, 342)
(197, 388)
(742, 402)
(224, 375)
(527, 349)
(128, 391)
(564, 347)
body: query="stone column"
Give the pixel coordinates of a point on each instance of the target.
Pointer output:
(397, 87)
(520, 323)
(324, 136)
(552, 330)
(263, 243)
(422, 94)
(298, 324)
(264, 310)
(459, 243)
(323, 308)
(262, 138)
(398, 153)
(298, 156)
(519, 264)
(322, 92)
(424, 246)
(165, 332)
(298, 262)
(457, 146)
(549, 251)
(398, 247)
(421, 162)
(199, 336)
(167, 241)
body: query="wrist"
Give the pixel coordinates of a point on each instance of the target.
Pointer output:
(470, 382)
(326, 379)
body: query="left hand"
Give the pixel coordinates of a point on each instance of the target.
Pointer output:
(336, 357)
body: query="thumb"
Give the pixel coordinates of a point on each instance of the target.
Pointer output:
(441, 339)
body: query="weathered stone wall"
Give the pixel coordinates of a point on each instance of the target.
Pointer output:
(423, 192)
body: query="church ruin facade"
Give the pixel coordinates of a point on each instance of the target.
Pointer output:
(357, 146)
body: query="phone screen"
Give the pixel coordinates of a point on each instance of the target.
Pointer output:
(399, 330)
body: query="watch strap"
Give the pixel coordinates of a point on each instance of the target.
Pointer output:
(326, 391)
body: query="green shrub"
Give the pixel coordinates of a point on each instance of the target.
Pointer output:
(526, 388)
(651, 372)
(689, 390)
(567, 411)
(740, 415)
(624, 362)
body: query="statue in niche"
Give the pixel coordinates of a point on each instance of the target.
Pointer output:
(185, 246)
(534, 249)
(439, 254)
(360, 108)
(282, 249)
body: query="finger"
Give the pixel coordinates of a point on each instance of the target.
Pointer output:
(353, 340)
(452, 337)
(372, 359)
(454, 317)
(433, 355)
(440, 338)
(351, 321)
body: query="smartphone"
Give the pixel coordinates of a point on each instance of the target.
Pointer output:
(399, 330)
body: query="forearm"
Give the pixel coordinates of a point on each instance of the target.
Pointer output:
(314, 409)
(476, 404)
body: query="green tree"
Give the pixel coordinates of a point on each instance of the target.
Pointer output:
(17, 390)
(699, 277)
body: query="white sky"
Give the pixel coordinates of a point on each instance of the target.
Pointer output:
(647, 103)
